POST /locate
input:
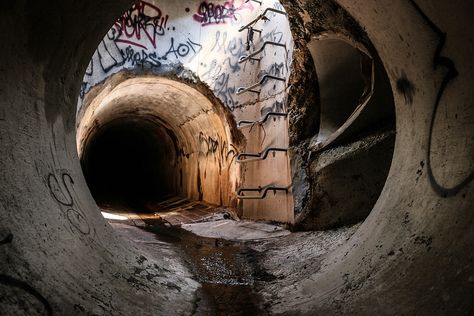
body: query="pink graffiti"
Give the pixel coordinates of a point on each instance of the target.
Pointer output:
(142, 21)
(209, 13)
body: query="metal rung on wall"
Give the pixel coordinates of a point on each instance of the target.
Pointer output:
(261, 17)
(263, 155)
(263, 192)
(259, 2)
(245, 58)
(262, 81)
(264, 118)
(260, 156)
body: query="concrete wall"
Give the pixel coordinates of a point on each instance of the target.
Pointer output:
(57, 254)
(163, 37)
(412, 255)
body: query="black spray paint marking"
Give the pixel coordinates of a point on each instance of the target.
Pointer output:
(62, 194)
(78, 221)
(7, 240)
(452, 73)
(405, 87)
(63, 197)
(15, 283)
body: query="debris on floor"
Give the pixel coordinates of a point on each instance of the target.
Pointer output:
(236, 230)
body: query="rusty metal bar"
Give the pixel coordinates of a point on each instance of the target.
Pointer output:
(260, 156)
(261, 121)
(259, 2)
(261, 81)
(245, 58)
(263, 192)
(260, 17)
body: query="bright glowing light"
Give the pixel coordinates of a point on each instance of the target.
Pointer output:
(113, 216)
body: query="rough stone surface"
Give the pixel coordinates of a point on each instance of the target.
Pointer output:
(346, 181)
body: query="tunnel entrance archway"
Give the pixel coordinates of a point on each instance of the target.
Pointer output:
(143, 139)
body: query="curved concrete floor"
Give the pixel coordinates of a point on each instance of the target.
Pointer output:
(412, 255)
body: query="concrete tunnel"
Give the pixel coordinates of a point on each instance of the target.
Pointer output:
(342, 129)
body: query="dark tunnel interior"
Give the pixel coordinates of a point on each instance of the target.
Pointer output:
(129, 163)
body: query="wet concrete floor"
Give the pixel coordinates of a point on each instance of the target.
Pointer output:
(228, 271)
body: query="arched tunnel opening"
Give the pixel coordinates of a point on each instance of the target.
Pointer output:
(258, 157)
(130, 163)
(150, 144)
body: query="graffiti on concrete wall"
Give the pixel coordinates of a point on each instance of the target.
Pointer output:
(439, 60)
(206, 40)
(60, 187)
(218, 148)
(143, 21)
(141, 37)
(209, 13)
(221, 72)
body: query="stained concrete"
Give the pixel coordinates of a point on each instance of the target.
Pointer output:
(412, 254)
(236, 230)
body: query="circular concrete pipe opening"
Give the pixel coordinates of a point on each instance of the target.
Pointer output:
(130, 162)
(355, 92)
(352, 151)
(345, 78)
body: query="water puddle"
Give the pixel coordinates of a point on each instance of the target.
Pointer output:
(227, 271)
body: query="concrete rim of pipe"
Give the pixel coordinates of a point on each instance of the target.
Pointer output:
(412, 254)
(334, 56)
(409, 242)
